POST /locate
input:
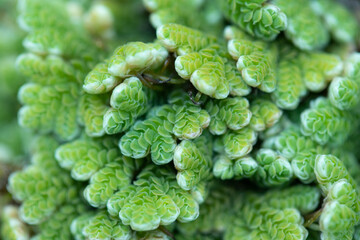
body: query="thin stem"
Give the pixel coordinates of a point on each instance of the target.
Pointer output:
(312, 217)
(167, 232)
(315, 227)
(166, 64)
(194, 95)
(193, 99)
(156, 79)
(149, 84)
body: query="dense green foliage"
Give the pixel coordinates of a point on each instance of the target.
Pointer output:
(117, 127)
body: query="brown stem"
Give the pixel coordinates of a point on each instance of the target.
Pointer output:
(148, 84)
(166, 64)
(157, 79)
(193, 98)
(167, 232)
(312, 217)
(154, 80)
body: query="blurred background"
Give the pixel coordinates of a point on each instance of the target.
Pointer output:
(12, 138)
